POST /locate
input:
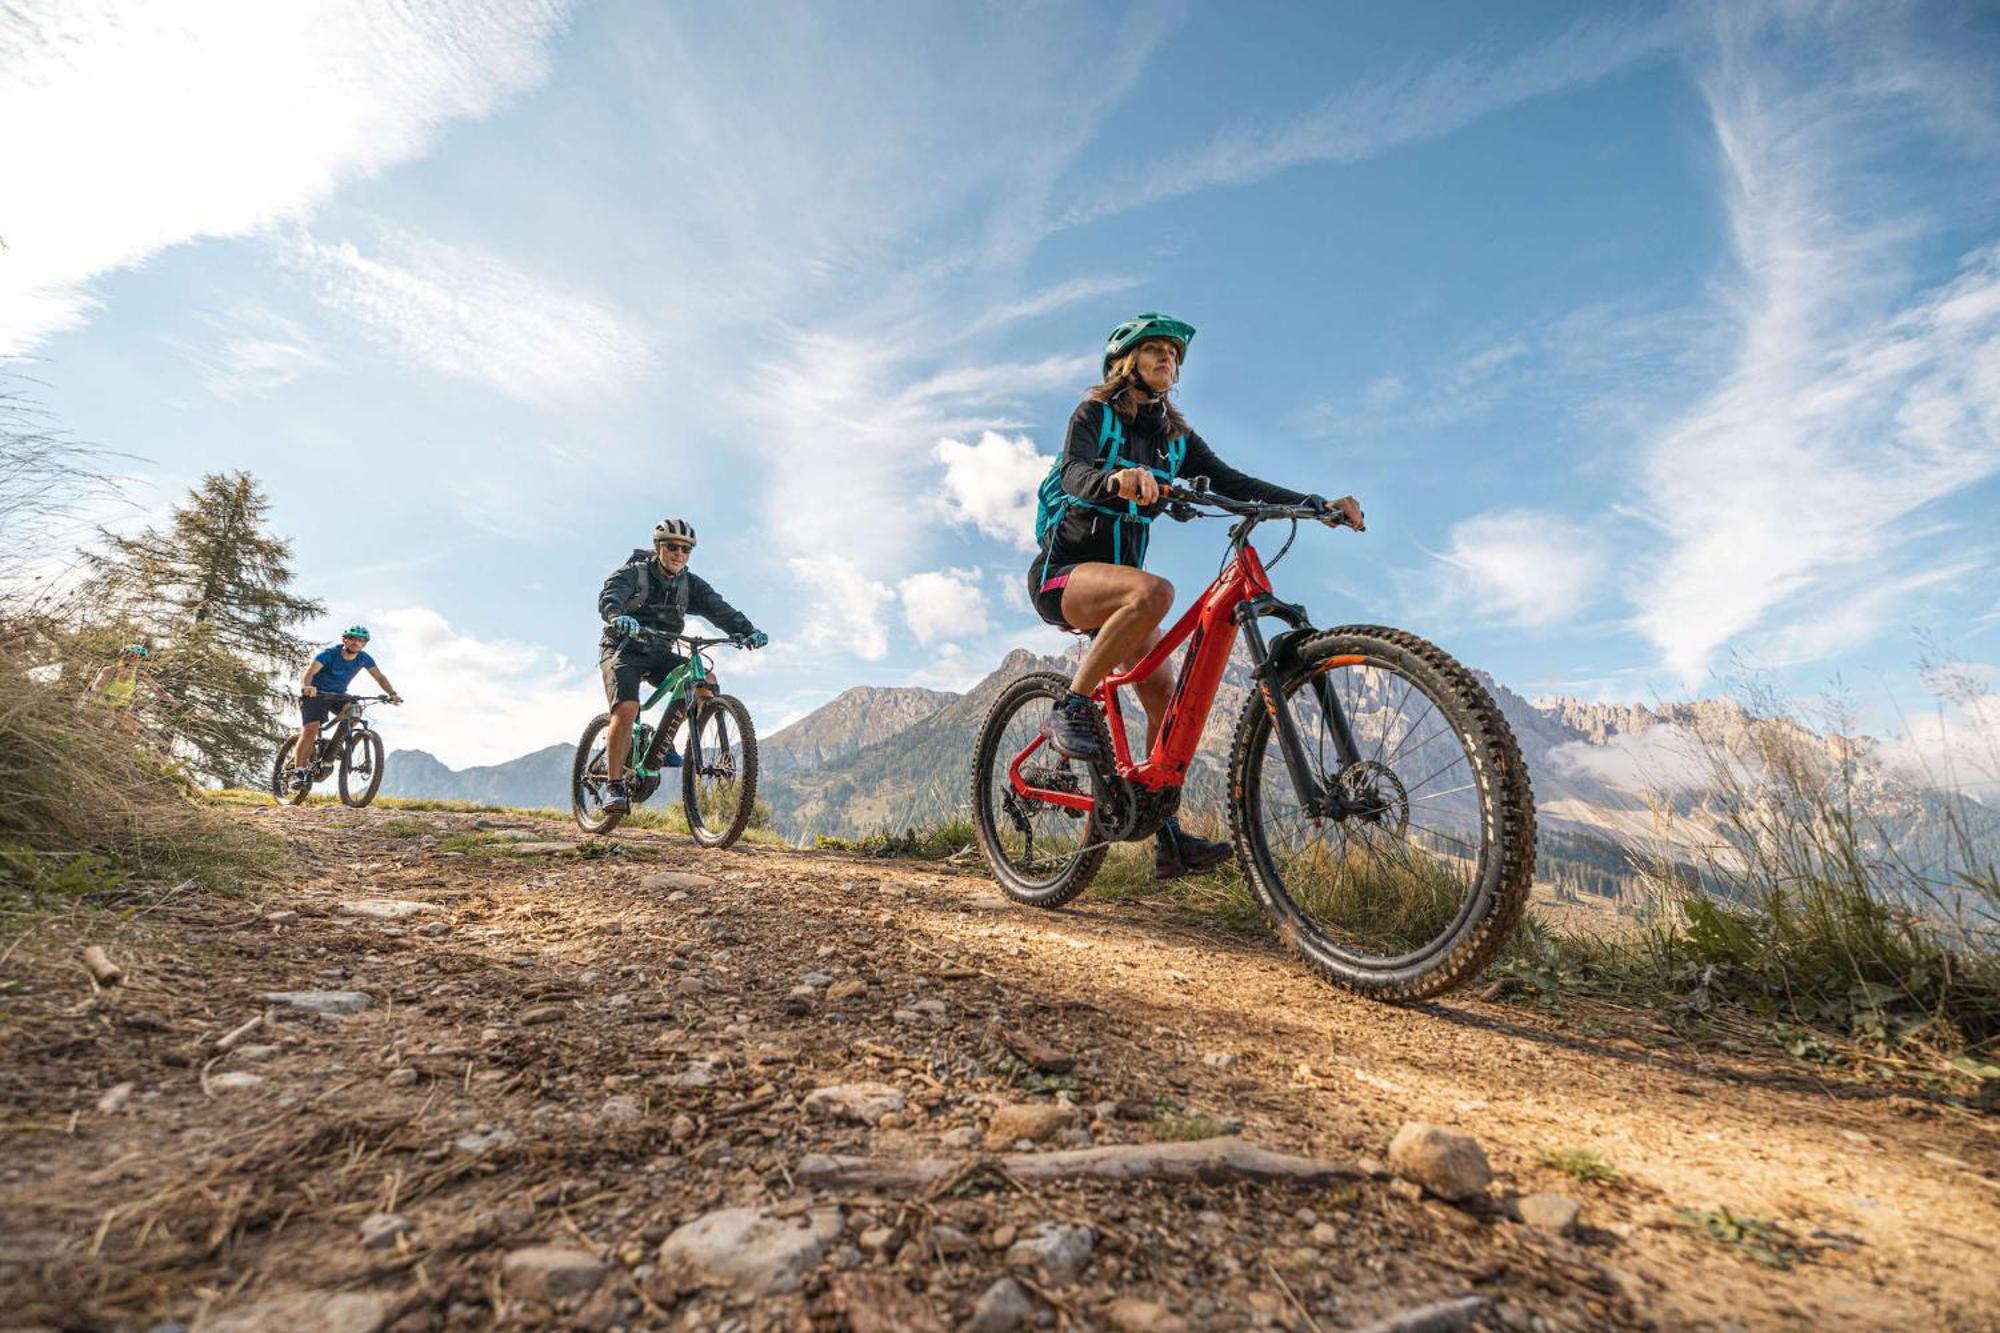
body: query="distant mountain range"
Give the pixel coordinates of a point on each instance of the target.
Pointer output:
(890, 758)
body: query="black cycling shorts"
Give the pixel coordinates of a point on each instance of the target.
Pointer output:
(1045, 591)
(625, 665)
(319, 708)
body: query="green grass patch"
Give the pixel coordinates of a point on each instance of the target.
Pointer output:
(1584, 1164)
(406, 828)
(1185, 1126)
(939, 842)
(1765, 1242)
(1220, 898)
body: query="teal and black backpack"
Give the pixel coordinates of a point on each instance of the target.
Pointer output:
(1052, 501)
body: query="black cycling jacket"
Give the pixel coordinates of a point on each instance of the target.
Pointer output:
(639, 588)
(1085, 534)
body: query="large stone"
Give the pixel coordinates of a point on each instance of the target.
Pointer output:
(1037, 1122)
(1004, 1307)
(857, 1103)
(1439, 1317)
(541, 848)
(750, 1251)
(303, 1312)
(552, 1272)
(667, 881)
(1449, 1164)
(1057, 1249)
(1548, 1212)
(235, 1080)
(1129, 1314)
(318, 1001)
(386, 909)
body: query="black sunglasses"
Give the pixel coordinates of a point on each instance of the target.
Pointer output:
(681, 548)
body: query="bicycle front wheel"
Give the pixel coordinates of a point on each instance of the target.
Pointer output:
(1404, 873)
(719, 771)
(590, 780)
(1043, 854)
(362, 761)
(281, 771)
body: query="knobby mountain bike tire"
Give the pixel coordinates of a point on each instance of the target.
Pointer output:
(362, 760)
(282, 790)
(1040, 853)
(719, 771)
(1417, 893)
(587, 778)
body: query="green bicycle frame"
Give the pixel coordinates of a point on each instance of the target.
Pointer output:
(679, 683)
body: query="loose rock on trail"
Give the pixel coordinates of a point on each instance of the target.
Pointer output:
(667, 1088)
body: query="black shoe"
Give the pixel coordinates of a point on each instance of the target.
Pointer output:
(1176, 853)
(1071, 727)
(616, 801)
(672, 758)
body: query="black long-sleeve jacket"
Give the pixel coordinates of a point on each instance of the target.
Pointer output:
(639, 588)
(1085, 534)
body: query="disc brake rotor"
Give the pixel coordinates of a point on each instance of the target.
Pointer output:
(1373, 794)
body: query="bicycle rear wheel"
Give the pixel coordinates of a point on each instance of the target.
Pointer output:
(1040, 853)
(1408, 880)
(282, 790)
(719, 771)
(362, 761)
(589, 778)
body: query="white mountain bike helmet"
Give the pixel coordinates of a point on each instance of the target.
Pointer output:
(673, 529)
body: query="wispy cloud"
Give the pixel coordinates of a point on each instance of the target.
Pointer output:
(463, 312)
(135, 128)
(1847, 408)
(1523, 568)
(1367, 121)
(256, 351)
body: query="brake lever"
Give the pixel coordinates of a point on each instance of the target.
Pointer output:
(1180, 511)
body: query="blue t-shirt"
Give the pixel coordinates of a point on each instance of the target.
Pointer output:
(336, 671)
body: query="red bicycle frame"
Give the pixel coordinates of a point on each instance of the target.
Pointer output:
(1209, 629)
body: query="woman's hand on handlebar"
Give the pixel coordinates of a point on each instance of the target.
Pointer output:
(307, 691)
(1346, 510)
(1136, 483)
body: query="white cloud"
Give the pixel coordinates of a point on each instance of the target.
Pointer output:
(132, 128)
(1523, 567)
(846, 608)
(992, 484)
(466, 313)
(475, 701)
(943, 604)
(1844, 411)
(1956, 744)
(1661, 759)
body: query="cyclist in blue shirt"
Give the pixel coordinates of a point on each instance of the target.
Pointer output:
(330, 672)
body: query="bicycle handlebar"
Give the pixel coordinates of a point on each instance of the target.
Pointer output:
(693, 643)
(1191, 497)
(338, 697)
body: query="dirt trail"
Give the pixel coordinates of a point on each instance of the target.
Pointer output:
(557, 1054)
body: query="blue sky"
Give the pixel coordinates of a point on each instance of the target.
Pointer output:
(1659, 341)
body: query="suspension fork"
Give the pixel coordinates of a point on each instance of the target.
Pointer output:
(1312, 795)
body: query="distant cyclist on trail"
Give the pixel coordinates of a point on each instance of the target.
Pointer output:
(119, 683)
(331, 672)
(655, 591)
(1126, 441)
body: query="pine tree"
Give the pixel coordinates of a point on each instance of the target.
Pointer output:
(213, 592)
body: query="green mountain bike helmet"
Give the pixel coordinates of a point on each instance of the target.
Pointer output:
(355, 632)
(1137, 329)
(135, 650)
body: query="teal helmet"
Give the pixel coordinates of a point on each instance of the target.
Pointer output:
(135, 650)
(1141, 327)
(355, 632)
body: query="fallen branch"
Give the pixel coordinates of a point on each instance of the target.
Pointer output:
(1203, 1159)
(102, 970)
(229, 1040)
